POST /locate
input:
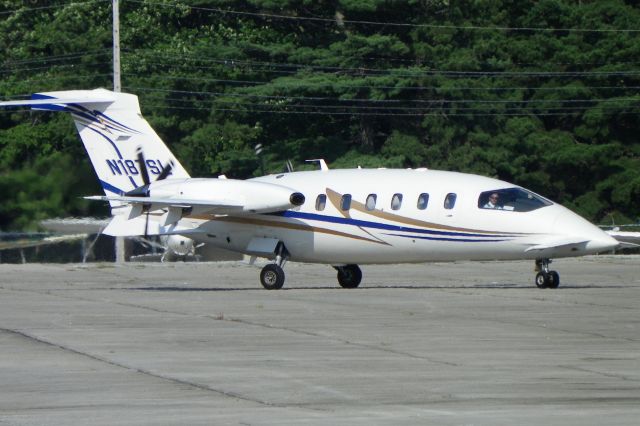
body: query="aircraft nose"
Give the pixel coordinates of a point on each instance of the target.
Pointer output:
(571, 224)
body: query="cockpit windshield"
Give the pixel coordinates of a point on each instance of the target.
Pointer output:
(511, 199)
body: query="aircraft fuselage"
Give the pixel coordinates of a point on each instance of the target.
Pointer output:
(420, 227)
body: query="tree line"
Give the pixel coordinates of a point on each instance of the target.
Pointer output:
(542, 94)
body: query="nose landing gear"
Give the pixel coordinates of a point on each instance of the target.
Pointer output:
(546, 278)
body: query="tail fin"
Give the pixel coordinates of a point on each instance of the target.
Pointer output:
(112, 129)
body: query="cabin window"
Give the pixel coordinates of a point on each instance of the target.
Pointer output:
(321, 202)
(450, 201)
(371, 202)
(396, 201)
(423, 201)
(511, 199)
(345, 202)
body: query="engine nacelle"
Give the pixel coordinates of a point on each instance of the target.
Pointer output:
(233, 196)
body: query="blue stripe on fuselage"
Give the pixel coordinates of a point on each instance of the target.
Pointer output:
(460, 240)
(383, 226)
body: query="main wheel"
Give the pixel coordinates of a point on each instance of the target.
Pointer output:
(349, 276)
(542, 280)
(554, 279)
(272, 277)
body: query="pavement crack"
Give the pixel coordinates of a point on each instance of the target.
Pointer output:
(137, 370)
(341, 340)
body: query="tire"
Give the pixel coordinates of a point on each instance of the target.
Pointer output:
(554, 279)
(272, 277)
(349, 276)
(542, 280)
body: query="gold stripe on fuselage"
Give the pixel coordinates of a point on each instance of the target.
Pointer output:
(286, 225)
(335, 198)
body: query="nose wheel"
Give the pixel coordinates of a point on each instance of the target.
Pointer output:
(546, 278)
(272, 277)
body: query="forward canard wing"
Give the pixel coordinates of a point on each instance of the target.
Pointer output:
(558, 243)
(627, 239)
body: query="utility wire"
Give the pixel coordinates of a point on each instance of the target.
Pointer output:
(57, 58)
(298, 84)
(441, 89)
(432, 102)
(231, 62)
(389, 24)
(57, 67)
(58, 6)
(372, 72)
(384, 114)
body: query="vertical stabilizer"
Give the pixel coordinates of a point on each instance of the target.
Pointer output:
(112, 129)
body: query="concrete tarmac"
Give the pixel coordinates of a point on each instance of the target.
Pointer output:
(203, 344)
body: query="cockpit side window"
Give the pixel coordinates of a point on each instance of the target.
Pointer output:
(511, 199)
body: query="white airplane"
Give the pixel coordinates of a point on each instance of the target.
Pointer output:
(339, 217)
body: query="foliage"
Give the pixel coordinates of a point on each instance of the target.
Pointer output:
(542, 94)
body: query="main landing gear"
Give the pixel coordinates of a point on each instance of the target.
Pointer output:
(349, 276)
(546, 278)
(272, 275)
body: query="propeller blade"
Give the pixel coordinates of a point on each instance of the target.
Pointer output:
(143, 167)
(166, 171)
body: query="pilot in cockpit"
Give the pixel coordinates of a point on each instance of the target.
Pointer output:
(492, 202)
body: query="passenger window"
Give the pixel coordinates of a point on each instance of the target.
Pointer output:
(450, 201)
(371, 202)
(423, 201)
(321, 202)
(345, 202)
(396, 202)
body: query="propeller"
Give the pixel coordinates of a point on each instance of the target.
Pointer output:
(144, 190)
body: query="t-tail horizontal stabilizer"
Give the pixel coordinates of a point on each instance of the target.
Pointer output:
(112, 130)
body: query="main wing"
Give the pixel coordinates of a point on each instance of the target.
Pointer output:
(169, 201)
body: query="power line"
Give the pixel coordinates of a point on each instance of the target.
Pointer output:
(384, 114)
(301, 83)
(432, 102)
(442, 89)
(59, 6)
(235, 62)
(439, 104)
(376, 72)
(390, 24)
(57, 58)
(48, 67)
(198, 57)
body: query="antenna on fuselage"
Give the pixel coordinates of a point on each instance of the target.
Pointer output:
(321, 162)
